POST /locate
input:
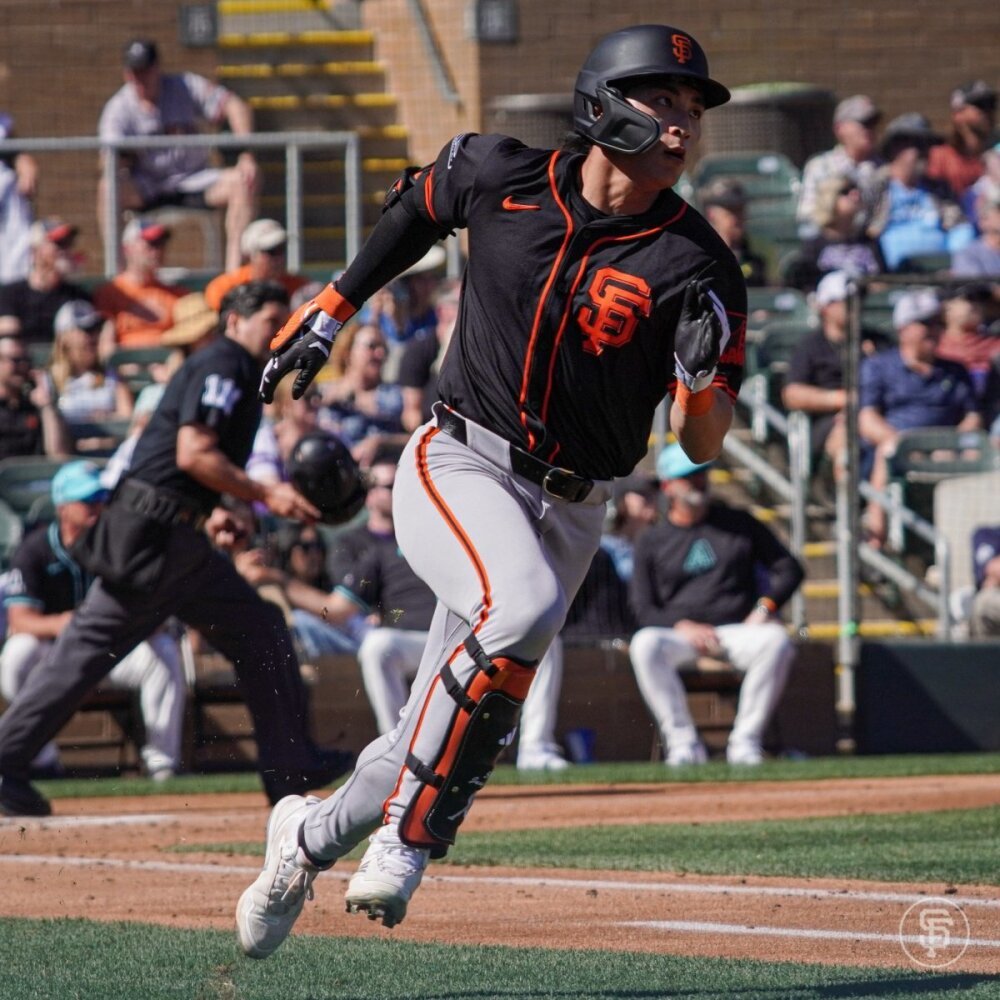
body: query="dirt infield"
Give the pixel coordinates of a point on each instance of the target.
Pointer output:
(109, 859)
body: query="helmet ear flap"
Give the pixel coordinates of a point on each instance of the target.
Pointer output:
(622, 127)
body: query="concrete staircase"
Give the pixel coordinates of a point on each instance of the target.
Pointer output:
(885, 611)
(307, 65)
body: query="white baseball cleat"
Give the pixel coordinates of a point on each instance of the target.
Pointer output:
(543, 758)
(387, 877)
(690, 753)
(745, 754)
(268, 909)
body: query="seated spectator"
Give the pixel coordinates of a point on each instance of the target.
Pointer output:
(48, 585)
(855, 156)
(30, 422)
(695, 593)
(915, 215)
(965, 339)
(984, 621)
(724, 202)
(18, 180)
(35, 300)
(909, 387)
(152, 103)
(814, 382)
(301, 553)
(140, 306)
(981, 257)
(958, 162)
(263, 244)
(84, 389)
(357, 404)
(634, 507)
(841, 243)
(285, 422)
(422, 357)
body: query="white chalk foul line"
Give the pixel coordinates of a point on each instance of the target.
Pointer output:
(58, 822)
(697, 927)
(534, 882)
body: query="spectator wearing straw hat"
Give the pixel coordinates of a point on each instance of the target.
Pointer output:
(263, 243)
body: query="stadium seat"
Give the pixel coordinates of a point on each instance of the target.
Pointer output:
(770, 180)
(765, 304)
(24, 479)
(98, 438)
(131, 365)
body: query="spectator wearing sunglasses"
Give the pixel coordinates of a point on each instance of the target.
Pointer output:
(140, 305)
(30, 423)
(34, 301)
(263, 244)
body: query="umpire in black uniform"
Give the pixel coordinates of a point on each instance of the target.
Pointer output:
(153, 560)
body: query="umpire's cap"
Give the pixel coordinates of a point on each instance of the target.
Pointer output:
(322, 469)
(600, 111)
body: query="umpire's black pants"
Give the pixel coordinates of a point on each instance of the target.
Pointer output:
(204, 590)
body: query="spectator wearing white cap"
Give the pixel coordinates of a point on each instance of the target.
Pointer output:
(18, 181)
(139, 304)
(709, 580)
(34, 301)
(855, 156)
(263, 244)
(958, 162)
(85, 391)
(909, 387)
(44, 588)
(153, 103)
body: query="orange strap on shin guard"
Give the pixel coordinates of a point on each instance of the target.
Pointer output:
(486, 713)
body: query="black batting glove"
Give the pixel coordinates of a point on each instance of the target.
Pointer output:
(303, 344)
(701, 337)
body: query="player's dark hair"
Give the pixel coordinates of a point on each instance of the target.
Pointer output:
(246, 299)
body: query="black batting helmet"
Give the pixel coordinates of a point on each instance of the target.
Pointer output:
(600, 111)
(322, 470)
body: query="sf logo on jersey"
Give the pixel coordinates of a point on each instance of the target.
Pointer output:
(615, 302)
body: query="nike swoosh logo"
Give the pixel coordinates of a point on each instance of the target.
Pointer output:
(516, 206)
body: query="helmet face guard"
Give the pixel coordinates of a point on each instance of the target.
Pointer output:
(600, 111)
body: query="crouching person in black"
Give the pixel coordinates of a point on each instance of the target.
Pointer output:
(153, 560)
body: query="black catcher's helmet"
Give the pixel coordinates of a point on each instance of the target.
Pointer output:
(323, 471)
(631, 53)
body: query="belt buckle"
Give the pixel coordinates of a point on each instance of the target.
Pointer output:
(566, 485)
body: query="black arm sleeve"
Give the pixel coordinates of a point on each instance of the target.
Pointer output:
(400, 238)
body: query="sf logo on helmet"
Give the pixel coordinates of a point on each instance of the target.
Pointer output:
(617, 300)
(682, 48)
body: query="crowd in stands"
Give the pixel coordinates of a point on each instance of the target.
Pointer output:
(677, 575)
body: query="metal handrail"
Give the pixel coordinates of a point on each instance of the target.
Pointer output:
(293, 143)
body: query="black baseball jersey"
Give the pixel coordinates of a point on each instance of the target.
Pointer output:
(571, 312)
(713, 572)
(44, 575)
(382, 580)
(20, 429)
(37, 309)
(216, 387)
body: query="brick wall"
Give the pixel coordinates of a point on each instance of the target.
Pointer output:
(59, 60)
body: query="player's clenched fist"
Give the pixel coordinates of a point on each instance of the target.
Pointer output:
(701, 338)
(304, 342)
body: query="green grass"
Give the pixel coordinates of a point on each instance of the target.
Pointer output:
(140, 962)
(816, 769)
(956, 846)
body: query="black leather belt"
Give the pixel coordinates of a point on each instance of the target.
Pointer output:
(557, 482)
(158, 504)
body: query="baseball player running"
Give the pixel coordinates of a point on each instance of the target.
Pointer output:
(591, 291)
